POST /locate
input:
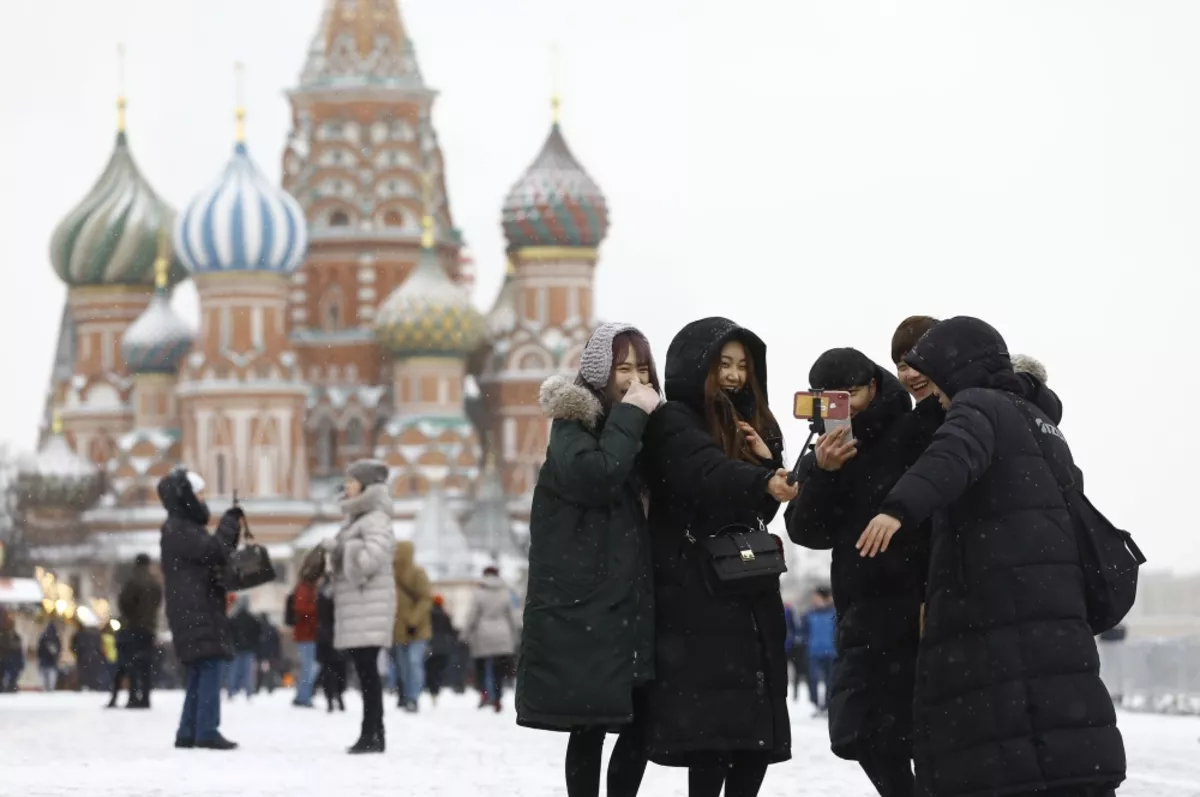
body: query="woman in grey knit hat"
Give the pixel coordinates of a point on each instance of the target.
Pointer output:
(588, 643)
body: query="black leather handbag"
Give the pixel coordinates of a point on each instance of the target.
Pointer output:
(250, 565)
(740, 560)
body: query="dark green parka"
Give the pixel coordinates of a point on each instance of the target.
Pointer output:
(588, 635)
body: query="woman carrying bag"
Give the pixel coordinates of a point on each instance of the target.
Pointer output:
(588, 645)
(360, 558)
(713, 455)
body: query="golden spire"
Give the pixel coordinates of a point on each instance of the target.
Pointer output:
(55, 421)
(239, 113)
(162, 263)
(120, 88)
(555, 88)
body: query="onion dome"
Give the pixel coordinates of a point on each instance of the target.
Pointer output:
(241, 222)
(109, 237)
(156, 342)
(429, 315)
(556, 202)
(57, 477)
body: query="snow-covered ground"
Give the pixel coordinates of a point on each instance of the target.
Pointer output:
(66, 744)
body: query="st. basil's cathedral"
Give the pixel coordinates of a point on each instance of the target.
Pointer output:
(335, 324)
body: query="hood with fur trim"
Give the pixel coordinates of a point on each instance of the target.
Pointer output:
(1024, 364)
(561, 399)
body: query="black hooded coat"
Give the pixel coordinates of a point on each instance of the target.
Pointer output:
(878, 600)
(1008, 693)
(193, 565)
(721, 671)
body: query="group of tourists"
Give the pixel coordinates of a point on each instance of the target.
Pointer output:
(964, 662)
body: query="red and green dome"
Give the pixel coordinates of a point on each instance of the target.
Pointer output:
(556, 202)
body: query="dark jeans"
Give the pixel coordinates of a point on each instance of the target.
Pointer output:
(741, 774)
(820, 671)
(366, 664)
(626, 765)
(201, 717)
(890, 774)
(490, 675)
(136, 662)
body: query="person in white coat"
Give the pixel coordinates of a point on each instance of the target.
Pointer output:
(364, 588)
(491, 634)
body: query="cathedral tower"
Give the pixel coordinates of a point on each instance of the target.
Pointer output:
(354, 161)
(241, 395)
(104, 250)
(554, 219)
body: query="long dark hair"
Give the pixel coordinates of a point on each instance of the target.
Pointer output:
(722, 417)
(620, 350)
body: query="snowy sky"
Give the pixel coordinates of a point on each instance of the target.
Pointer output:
(814, 170)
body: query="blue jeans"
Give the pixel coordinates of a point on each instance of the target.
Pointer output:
(241, 674)
(820, 670)
(306, 678)
(410, 661)
(202, 702)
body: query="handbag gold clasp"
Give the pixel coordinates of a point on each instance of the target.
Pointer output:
(747, 555)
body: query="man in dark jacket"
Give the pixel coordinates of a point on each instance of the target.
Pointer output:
(879, 600)
(139, 602)
(193, 564)
(247, 636)
(1009, 699)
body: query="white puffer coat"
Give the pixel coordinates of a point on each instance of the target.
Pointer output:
(364, 587)
(492, 626)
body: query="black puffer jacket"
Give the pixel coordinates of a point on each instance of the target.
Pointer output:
(589, 614)
(721, 680)
(1009, 697)
(878, 600)
(193, 564)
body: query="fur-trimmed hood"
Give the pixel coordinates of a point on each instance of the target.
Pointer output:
(1024, 364)
(561, 399)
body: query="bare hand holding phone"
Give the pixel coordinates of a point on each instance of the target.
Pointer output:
(835, 449)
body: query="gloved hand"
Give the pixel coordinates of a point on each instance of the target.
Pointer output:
(644, 397)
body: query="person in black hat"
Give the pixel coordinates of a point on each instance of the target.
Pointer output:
(140, 601)
(878, 600)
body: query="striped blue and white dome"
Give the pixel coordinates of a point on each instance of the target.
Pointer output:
(241, 223)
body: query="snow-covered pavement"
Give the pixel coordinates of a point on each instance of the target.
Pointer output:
(65, 744)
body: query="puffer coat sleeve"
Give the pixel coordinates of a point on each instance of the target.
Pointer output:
(365, 584)
(592, 470)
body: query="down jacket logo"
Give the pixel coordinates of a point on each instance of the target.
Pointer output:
(1045, 427)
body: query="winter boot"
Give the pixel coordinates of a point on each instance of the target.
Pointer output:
(218, 742)
(484, 702)
(368, 743)
(341, 704)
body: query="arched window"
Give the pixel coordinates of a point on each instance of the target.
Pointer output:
(220, 474)
(326, 445)
(354, 433)
(332, 316)
(338, 218)
(393, 218)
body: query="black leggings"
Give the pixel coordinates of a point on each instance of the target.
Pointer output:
(366, 664)
(741, 774)
(626, 765)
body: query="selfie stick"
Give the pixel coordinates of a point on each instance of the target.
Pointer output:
(816, 426)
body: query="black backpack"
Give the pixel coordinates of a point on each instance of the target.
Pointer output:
(1108, 555)
(289, 610)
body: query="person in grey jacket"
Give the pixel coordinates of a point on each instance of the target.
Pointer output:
(491, 633)
(364, 588)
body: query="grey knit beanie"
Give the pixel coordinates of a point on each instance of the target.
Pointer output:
(595, 364)
(368, 471)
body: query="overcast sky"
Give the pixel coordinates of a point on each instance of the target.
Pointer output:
(814, 170)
